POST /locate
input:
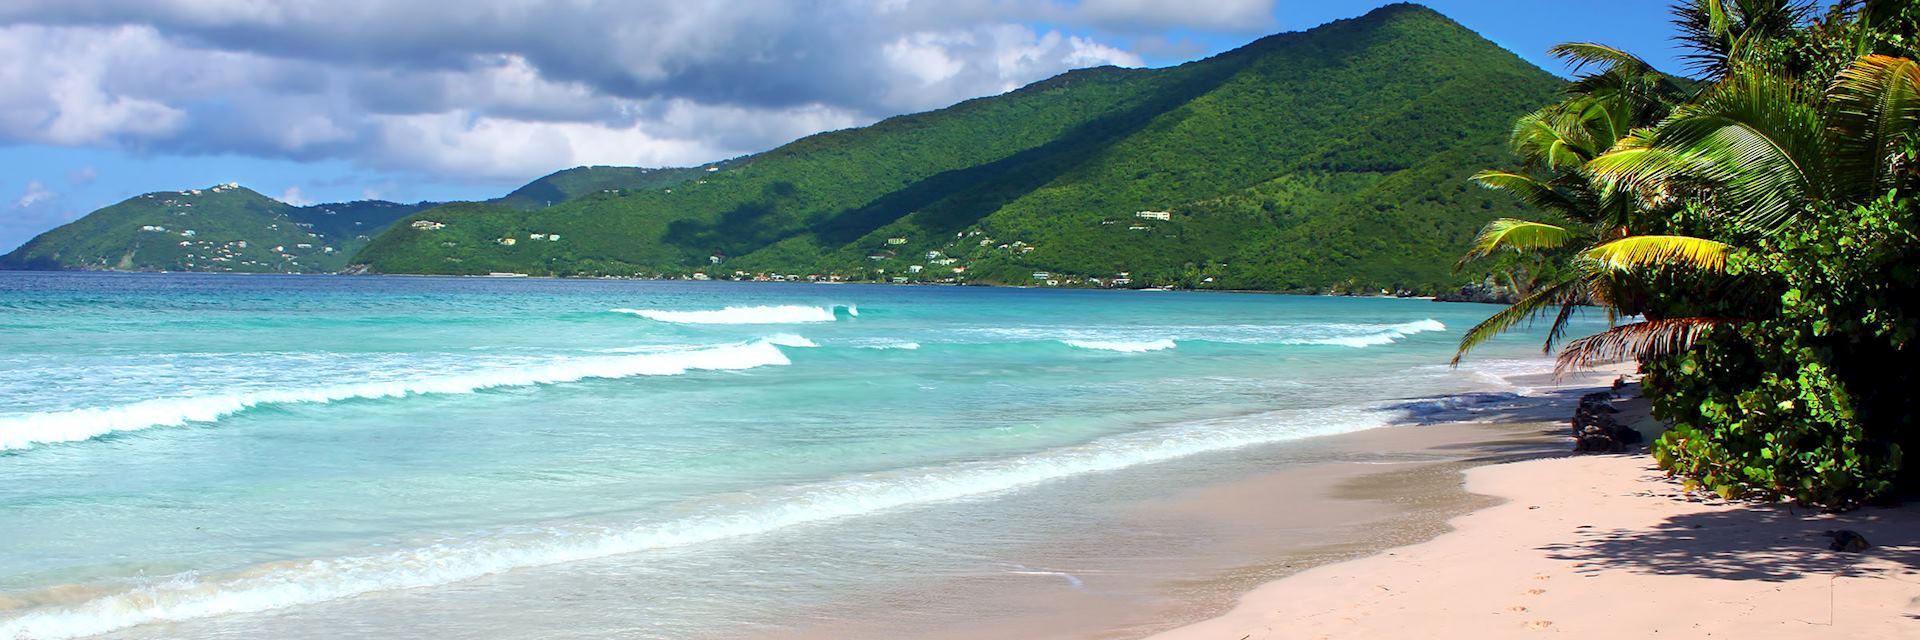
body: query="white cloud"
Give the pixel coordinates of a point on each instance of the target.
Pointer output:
(35, 210)
(35, 195)
(294, 197)
(510, 89)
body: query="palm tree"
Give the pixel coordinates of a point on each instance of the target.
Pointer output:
(1555, 144)
(1721, 34)
(1760, 151)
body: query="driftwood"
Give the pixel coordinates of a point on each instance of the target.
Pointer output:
(1594, 427)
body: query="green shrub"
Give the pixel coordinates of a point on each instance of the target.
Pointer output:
(1816, 403)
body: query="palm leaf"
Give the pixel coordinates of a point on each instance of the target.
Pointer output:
(1548, 138)
(1873, 108)
(1518, 235)
(1581, 54)
(1641, 341)
(1560, 292)
(1532, 191)
(1756, 141)
(1626, 254)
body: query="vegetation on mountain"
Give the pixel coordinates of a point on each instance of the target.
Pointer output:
(225, 228)
(567, 184)
(1764, 228)
(1327, 160)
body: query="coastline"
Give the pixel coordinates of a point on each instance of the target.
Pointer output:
(521, 276)
(1600, 546)
(1187, 554)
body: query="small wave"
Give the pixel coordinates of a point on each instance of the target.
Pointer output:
(1121, 345)
(1385, 336)
(287, 584)
(768, 314)
(30, 430)
(789, 340)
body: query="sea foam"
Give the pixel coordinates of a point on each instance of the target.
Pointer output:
(289, 584)
(1122, 346)
(1376, 336)
(771, 314)
(33, 429)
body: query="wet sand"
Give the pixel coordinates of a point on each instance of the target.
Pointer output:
(1188, 554)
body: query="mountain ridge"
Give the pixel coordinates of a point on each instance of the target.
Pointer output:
(222, 228)
(1332, 159)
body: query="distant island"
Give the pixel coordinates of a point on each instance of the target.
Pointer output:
(1335, 160)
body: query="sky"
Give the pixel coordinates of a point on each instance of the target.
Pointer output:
(329, 100)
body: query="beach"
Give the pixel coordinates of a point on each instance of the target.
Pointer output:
(1603, 546)
(1174, 557)
(201, 455)
(484, 458)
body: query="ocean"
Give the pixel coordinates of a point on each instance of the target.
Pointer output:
(188, 455)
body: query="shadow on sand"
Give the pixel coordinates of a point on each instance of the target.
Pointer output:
(1752, 542)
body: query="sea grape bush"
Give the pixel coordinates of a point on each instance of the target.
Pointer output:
(1771, 244)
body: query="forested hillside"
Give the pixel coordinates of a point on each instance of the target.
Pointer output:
(567, 184)
(1336, 158)
(226, 228)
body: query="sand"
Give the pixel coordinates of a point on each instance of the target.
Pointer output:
(1603, 546)
(1478, 524)
(1203, 531)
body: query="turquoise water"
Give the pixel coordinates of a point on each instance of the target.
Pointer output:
(258, 454)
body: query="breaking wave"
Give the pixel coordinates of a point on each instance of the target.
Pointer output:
(288, 584)
(34, 429)
(1121, 345)
(1388, 335)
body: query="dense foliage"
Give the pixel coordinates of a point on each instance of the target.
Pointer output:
(225, 228)
(1771, 241)
(1328, 160)
(567, 184)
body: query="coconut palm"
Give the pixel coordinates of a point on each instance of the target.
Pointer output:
(1760, 152)
(1720, 34)
(1554, 145)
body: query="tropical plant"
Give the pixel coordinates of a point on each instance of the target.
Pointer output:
(1591, 217)
(1719, 34)
(1772, 244)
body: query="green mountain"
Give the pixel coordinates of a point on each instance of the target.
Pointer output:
(236, 229)
(1331, 159)
(222, 228)
(567, 184)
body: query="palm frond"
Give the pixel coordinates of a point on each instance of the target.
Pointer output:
(1542, 299)
(1873, 109)
(1755, 140)
(1626, 254)
(1720, 34)
(1518, 235)
(1548, 138)
(1530, 190)
(1582, 54)
(1641, 341)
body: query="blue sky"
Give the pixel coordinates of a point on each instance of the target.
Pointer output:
(328, 100)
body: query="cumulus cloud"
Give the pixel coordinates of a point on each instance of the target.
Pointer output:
(508, 89)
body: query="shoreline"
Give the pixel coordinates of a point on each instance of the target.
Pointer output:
(1599, 546)
(519, 276)
(1187, 553)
